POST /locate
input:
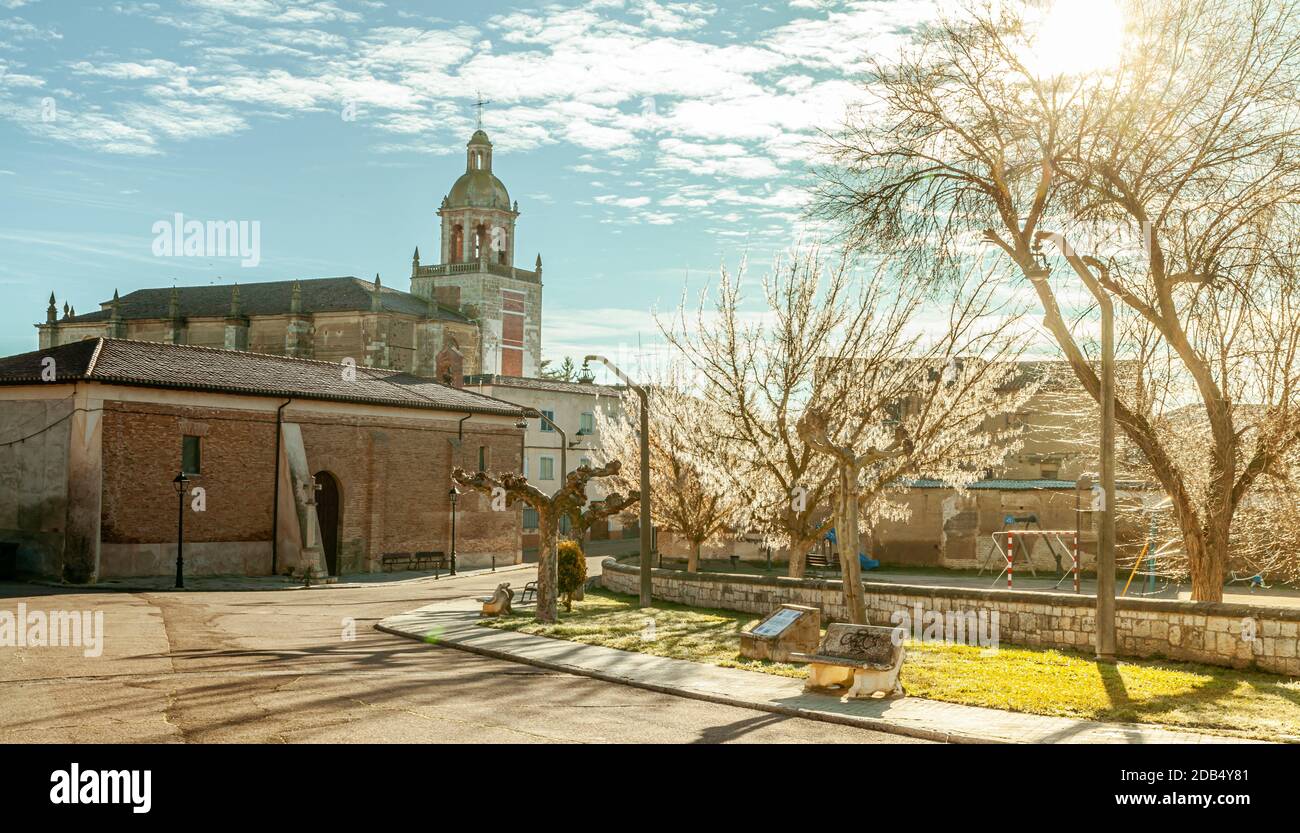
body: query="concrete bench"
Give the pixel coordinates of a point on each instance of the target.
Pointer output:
(868, 656)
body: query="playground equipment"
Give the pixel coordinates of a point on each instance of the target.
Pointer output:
(1057, 545)
(1151, 552)
(1256, 581)
(830, 557)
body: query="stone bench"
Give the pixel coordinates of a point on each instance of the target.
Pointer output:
(868, 656)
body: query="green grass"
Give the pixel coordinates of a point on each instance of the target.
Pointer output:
(1037, 681)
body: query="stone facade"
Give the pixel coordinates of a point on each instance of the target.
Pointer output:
(1145, 628)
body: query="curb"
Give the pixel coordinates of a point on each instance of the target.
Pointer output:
(287, 586)
(872, 723)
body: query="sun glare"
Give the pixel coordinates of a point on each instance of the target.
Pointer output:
(1076, 37)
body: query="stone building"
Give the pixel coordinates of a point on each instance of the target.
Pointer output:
(472, 312)
(302, 463)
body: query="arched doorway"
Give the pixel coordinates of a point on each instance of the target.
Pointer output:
(329, 514)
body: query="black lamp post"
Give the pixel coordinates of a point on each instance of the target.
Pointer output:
(182, 485)
(452, 495)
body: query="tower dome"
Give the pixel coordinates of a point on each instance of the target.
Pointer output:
(478, 187)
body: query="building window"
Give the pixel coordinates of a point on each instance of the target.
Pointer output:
(191, 454)
(482, 458)
(530, 518)
(584, 461)
(547, 468)
(587, 423)
(546, 426)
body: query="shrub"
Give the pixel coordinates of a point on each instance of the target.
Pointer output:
(572, 568)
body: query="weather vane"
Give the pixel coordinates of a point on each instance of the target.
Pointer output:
(480, 104)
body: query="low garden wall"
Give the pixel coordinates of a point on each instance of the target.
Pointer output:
(1216, 634)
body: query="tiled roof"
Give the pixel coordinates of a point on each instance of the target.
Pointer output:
(268, 298)
(555, 385)
(186, 367)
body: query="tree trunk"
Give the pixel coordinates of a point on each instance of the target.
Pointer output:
(547, 568)
(799, 556)
(846, 533)
(693, 560)
(1207, 555)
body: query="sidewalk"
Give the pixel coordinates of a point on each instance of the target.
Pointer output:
(209, 584)
(454, 624)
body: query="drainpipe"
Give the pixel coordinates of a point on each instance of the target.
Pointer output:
(275, 501)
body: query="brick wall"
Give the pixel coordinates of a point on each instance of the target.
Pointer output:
(394, 476)
(1208, 633)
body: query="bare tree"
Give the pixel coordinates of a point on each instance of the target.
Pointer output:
(866, 354)
(694, 496)
(1169, 180)
(509, 487)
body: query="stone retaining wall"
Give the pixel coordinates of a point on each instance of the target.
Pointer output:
(1202, 632)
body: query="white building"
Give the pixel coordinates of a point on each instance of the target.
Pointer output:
(572, 407)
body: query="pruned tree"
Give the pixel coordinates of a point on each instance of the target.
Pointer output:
(694, 495)
(512, 487)
(1169, 180)
(854, 348)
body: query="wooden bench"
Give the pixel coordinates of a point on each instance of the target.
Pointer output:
(426, 560)
(395, 560)
(869, 656)
(821, 561)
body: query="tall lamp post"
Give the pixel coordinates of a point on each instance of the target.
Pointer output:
(646, 566)
(452, 495)
(1106, 529)
(182, 485)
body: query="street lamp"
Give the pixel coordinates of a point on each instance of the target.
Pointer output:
(182, 485)
(645, 600)
(564, 439)
(1106, 530)
(452, 495)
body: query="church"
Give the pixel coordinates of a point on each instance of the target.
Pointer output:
(471, 312)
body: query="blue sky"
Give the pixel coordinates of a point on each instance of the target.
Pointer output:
(645, 142)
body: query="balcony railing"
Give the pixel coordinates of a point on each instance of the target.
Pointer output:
(480, 266)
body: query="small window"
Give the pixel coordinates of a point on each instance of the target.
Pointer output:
(191, 454)
(547, 468)
(587, 423)
(546, 426)
(530, 518)
(584, 461)
(482, 458)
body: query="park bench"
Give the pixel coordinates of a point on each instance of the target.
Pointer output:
(425, 560)
(822, 561)
(869, 656)
(530, 588)
(396, 560)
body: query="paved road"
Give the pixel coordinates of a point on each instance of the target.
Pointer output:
(273, 666)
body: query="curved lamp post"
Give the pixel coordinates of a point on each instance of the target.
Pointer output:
(645, 600)
(1106, 528)
(182, 485)
(564, 439)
